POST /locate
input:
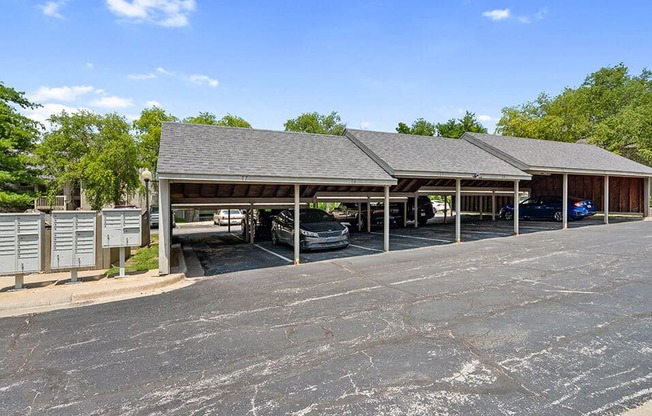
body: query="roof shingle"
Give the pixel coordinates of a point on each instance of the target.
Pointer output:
(194, 149)
(533, 154)
(404, 153)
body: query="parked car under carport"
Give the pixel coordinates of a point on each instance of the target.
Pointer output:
(318, 230)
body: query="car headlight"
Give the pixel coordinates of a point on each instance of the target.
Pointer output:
(308, 233)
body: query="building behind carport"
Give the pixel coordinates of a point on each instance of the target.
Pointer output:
(613, 182)
(212, 166)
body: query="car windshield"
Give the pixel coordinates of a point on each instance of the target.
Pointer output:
(315, 216)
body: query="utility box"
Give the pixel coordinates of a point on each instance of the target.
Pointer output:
(20, 243)
(121, 227)
(73, 239)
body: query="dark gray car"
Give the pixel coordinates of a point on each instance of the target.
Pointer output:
(318, 229)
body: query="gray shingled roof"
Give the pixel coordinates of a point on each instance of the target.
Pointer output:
(189, 150)
(544, 155)
(423, 156)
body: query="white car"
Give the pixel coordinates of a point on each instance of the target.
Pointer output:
(438, 206)
(223, 216)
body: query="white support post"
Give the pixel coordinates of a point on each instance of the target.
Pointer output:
(359, 217)
(605, 199)
(416, 211)
(19, 281)
(404, 214)
(493, 205)
(458, 210)
(164, 227)
(368, 214)
(564, 203)
(252, 225)
(386, 221)
(646, 197)
(481, 207)
(297, 228)
(516, 207)
(122, 263)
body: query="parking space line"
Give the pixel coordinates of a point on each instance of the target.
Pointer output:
(365, 248)
(485, 232)
(276, 254)
(416, 237)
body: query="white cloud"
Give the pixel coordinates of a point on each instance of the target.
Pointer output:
(44, 112)
(485, 118)
(60, 93)
(153, 103)
(203, 79)
(497, 14)
(169, 13)
(163, 71)
(504, 14)
(365, 125)
(139, 77)
(51, 8)
(89, 65)
(112, 101)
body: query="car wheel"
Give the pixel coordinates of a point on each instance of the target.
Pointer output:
(559, 216)
(423, 221)
(509, 215)
(274, 238)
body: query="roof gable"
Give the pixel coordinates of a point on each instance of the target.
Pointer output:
(405, 154)
(545, 155)
(189, 150)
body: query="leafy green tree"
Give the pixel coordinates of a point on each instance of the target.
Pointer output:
(454, 128)
(611, 109)
(93, 151)
(18, 135)
(233, 121)
(148, 134)
(202, 118)
(316, 123)
(420, 127)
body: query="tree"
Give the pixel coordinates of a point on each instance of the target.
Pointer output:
(454, 128)
(316, 123)
(233, 121)
(148, 134)
(202, 118)
(18, 135)
(93, 151)
(420, 127)
(611, 109)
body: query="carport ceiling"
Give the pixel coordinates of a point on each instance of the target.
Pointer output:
(217, 164)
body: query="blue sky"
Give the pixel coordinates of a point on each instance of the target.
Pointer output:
(374, 62)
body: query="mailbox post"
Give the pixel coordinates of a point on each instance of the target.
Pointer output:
(121, 227)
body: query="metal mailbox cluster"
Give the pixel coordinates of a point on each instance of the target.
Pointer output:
(73, 240)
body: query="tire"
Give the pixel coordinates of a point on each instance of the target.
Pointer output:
(509, 215)
(558, 216)
(423, 221)
(274, 238)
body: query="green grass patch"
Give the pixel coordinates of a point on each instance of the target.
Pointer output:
(146, 258)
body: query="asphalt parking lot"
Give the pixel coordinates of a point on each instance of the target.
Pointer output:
(555, 323)
(220, 251)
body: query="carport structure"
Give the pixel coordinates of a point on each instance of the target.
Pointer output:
(613, 182)
(439, 165)
(211, 166)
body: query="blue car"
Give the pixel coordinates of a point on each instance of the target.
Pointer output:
(549, 207)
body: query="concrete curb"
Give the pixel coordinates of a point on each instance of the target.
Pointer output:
(117, 289)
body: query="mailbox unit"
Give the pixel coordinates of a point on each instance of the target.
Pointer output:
(20, 243)
(121, 227)
(73, 239)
